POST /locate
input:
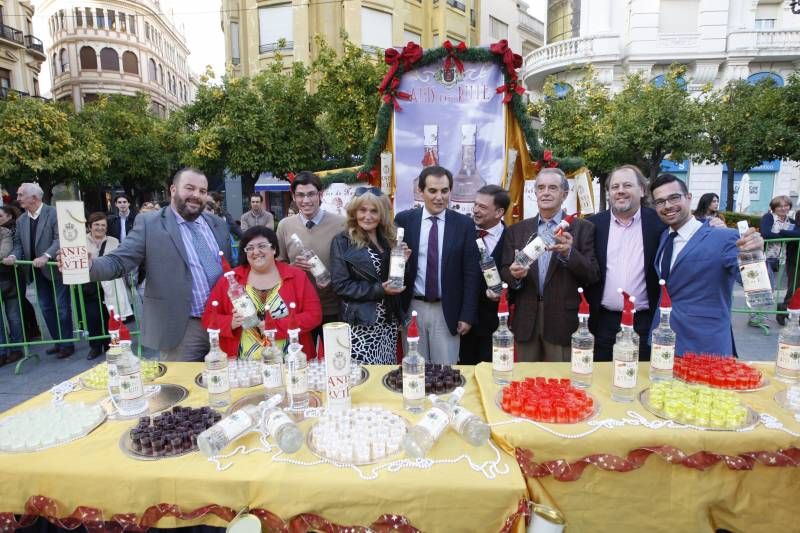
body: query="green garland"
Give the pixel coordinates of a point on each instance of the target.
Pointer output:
(435, 55)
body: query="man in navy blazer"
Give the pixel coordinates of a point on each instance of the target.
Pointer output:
(442, 274)
(699, 264)
(491, 204)
(625, 242)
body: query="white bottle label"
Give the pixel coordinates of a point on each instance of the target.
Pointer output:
(397, 267)
(297, 382)
(435, 421)
(755, 277)
(244, 305)
(276, 420)
(492, 277)
(460, 417)
(582, 361)
(113, 375)
(535, 248)
(503, 359)
(662, 357)
(235, 425)
(218, 381)
(273, 375)
(414, 386)
(625, 374)
(130, 386)
(317, 268)
(788, 357)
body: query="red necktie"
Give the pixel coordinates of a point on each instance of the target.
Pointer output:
(482, 233)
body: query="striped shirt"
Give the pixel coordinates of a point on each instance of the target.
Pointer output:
(200, 286)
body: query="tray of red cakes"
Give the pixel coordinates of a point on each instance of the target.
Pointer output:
(719, 372)
(549, 400)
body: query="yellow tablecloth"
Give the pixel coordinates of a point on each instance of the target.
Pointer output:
(93, 472)
(659, 496)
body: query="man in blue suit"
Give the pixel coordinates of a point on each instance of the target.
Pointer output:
(442, 274)
(699, 264)
(491, 204)
(626, 239)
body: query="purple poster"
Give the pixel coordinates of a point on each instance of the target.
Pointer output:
(456, 120)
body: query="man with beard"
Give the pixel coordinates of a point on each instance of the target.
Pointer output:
(699, 264)
(625, 243)
(179, 246)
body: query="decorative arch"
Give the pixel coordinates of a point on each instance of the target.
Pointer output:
(88, 58)
(64, 60)
(151, 70)
(130, 63)
(109, 59)
(753, 79)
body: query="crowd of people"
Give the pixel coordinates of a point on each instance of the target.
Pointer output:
(177, 255)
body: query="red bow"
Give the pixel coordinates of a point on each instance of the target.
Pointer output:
(369, 177)
(451, 55)
(511, 60)
(510, 88)
(411, 53)
(547, 161)
(391, 95)
(290, 176)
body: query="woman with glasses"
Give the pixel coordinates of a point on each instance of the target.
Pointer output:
(271, 285)
(359, 274)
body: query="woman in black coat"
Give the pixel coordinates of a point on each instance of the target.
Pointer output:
(360, 257)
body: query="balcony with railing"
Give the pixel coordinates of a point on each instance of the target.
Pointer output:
(35, 45)
(457, 5)
(12, 35)
(531, 24)
(576, 52)
(278, 46)
(774, 44)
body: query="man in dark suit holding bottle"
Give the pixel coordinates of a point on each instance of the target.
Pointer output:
(625, 242)
(491, 204)
(442, 274)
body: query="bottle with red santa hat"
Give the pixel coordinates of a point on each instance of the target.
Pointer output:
(662, 356)
(626, 354)
(413, 371)
(502, 343)
(787, 363)
(216, 364)
(582, 360)
(114, 351)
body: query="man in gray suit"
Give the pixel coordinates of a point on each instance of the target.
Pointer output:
(36, 239)
(179, 247)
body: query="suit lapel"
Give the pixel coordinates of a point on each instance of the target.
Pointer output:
(693, 243)
(43, 220)
(602, 230)
(171, 226)
(450, 235)
(220, 236)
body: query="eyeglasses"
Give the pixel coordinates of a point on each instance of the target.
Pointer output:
(358, 191)
(304, 195)
(261, 247)
(672, 199)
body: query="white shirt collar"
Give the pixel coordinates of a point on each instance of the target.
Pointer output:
(689, 228)
(495, 230)
(427, 214)
(317, 218)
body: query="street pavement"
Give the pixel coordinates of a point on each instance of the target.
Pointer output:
(39, 376)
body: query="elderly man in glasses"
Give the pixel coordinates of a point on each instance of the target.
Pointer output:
(316, 229)
(699, 264)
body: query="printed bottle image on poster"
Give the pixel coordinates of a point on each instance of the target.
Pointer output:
(455, 120)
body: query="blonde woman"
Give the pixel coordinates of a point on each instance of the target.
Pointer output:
(360, 273)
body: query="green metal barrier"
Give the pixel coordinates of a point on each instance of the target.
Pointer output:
(78, 308)
(789, 247)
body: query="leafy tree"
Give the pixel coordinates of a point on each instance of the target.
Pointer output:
(578, 124)
(142, 153)
(652, 122)
(743, 131)
(47, 143)
(347, 96)
(253, 125)
(789, 116)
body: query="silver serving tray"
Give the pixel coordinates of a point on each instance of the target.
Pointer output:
(126, 445)
(780, 399)
(162, 369)
(750, 421)
(254, 399)
(316, 451)
(56, 445)
(498, 400)
(763, 384)
(360, 381)
(462, 382)
(198, 380)
(167, 395)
